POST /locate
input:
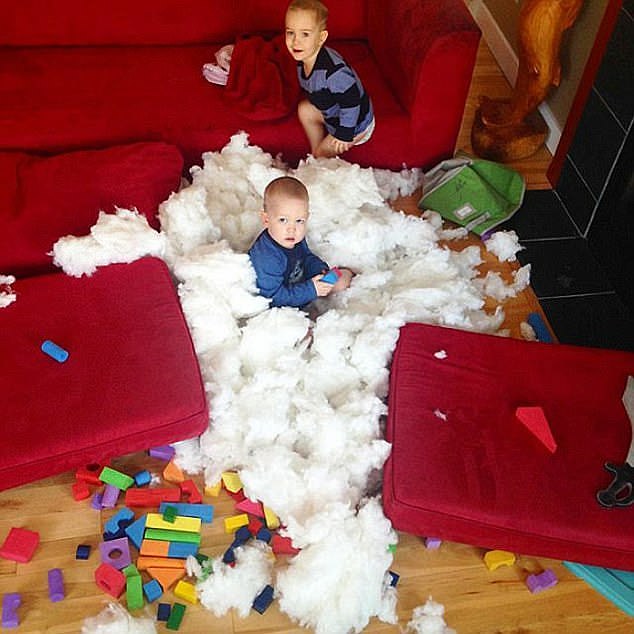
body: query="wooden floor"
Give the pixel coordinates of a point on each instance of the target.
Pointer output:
(477, 601)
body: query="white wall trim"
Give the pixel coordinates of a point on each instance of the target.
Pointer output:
(507, 59)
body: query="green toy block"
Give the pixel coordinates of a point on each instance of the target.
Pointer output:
(172, 536)
(134, 592)
(131, 571)
(116, 478)
(176, 616)
(170, 513)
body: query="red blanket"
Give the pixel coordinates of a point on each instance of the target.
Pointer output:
(262, 82)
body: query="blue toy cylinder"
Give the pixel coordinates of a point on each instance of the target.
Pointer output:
(54, 351)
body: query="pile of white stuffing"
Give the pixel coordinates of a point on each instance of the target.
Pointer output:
(297, 406)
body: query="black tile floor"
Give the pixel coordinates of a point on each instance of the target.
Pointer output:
(574, 292)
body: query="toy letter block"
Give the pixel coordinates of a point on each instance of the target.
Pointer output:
(55, 585)
(535, 420)
(186, 591)
(234, 522)
(496, 558)
(20, 545)
(110, 580)
(10, 604)
(116, 478)
(150, 498)
(188, 524)
(167, 577)
(232, 481)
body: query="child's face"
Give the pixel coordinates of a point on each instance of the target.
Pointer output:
(285, 219)
(304, 37)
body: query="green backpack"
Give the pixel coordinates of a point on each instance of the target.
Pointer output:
(472, 192)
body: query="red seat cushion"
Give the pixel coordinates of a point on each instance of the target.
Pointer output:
(43, 199)
(131, 381)
(480, 476)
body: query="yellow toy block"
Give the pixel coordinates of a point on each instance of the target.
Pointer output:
(173, 473)
(213, 489)
(186, 591)
(232, 481)
(496, 558)
(180, 523)
(270, 518)
(234, 522)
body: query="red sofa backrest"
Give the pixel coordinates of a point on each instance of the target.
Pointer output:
(158, 22)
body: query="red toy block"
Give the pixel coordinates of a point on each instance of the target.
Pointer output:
(110, 580)
(20, 545)
(190, 492)
(254, 525)
(283, 545)
(535, 420)
(90, 474)
(150, 498)
(250, 507)
(80, 490)
(238, 496)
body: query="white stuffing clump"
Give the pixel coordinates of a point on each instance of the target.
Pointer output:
(494, 286)
(114, 619)
(297, 401)
(237, 586)
(395, 184)
(428, 619)
(504, 245)
(124, 236)
(7, 295)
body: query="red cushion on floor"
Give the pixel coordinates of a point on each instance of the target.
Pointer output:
(480, 476)
(131, 381)
(43, 199)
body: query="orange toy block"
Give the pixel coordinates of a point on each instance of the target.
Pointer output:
(537, 423)
(173, 473)
(145, 562)
(167, 577)
(154, 548)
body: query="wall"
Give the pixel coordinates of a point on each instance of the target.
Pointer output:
(575, 48)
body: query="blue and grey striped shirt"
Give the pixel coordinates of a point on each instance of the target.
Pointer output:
(335, 89)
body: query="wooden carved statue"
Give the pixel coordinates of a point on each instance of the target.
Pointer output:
(510, 129)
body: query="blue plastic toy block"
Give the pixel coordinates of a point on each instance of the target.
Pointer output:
(229, 557)
(204, 511)
(136, 530)
(541, 330)
(615, 585)
(152, 590)
(241, 536)
(142, 478)
(113, 524)
(331, 277)
(163, 611)
(263, 600)
(393, 578)
(82, 552)
(182, 550)
(54, 351)
(264, 535)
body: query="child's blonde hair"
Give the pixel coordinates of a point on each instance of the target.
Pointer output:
(318, 8)
(284, 186)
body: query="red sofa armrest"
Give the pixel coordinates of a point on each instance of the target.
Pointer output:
(426, 51)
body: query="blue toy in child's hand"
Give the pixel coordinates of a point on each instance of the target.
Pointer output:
(331, 276)
(54, 351)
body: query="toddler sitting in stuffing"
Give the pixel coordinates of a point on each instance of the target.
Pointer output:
(287, 271)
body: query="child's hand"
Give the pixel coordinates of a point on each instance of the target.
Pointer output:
(344, 280)
(321, 288)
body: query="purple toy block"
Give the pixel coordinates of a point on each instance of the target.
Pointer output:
(110, 496)
(432, 543)
(96, 501)
(10, 604)
(55, 585)
(116, 552)
(542, 581)
(166, 452)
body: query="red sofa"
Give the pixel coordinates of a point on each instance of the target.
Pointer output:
(78, 74)
(132, 379)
